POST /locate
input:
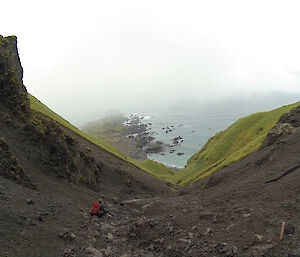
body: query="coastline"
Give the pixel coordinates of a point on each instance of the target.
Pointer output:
(136, 137)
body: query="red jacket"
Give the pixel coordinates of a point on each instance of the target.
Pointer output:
(96, 208)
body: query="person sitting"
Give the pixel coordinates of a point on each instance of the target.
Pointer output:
(98, 209)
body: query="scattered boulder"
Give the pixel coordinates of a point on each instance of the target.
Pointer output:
(93, 252)
(67, 235)
(29, 201)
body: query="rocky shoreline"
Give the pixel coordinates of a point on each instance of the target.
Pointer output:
(133, 136)
(141, 133)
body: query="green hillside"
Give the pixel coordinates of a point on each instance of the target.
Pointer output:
(240, 139)
(152, 167)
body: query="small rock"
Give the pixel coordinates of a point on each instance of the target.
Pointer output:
(69, 252)
(115, 200)
(108, 251)
(246, 215)
(183, 240)
(110, 236)
(206, 215)
(70, 236)
(151, 247)
(106, 227)
(93, 251)
(234, 250)
(214, 219)
(32, 222)
(29, 201)
(260, 249)
(289, 229)
(257, 237)
(191, 235)
(66, 234)
(208, 231)
(149, 254)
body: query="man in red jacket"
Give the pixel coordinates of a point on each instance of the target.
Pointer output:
(98, 209)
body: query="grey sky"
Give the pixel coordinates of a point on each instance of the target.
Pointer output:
(82, 58)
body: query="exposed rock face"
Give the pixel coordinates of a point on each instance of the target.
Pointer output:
(286, 126)
(13, 94)
(292, 117)
(10, 168)
(61, 152)
(277, 133)
(44, 138)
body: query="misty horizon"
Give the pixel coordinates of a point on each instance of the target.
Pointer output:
(138, 56)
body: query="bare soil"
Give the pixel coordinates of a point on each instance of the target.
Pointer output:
(232, 213)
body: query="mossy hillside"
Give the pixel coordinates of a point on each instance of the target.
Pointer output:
(152, 167)
(108, 129)
(240, 139)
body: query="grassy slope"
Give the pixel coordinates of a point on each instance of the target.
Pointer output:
(152, 167)
(240, 139)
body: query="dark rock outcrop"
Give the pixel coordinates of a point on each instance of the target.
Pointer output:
(13, 94)
(61, 152)
(45, 140)
(11, 169)
(285, 126)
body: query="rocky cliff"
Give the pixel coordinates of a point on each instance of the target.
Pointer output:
(13, 94)
(285, 126)
(43, 140)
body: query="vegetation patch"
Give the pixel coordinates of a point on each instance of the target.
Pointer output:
(152, 167)
(240, 139)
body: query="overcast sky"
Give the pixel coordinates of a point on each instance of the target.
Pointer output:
(82, 58)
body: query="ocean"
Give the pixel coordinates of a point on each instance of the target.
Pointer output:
(196, 123)
(193, 127)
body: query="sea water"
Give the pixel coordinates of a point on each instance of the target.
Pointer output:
(193, 127)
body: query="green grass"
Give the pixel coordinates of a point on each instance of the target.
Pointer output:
(152, 167)
(240, 139)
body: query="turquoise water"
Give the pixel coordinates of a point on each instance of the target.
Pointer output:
(195, 129)
(202, 121)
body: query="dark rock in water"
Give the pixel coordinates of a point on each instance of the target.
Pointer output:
(180, 154)
(177, 140)
(156, 148)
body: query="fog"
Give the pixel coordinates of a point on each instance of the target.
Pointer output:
(83, 58)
